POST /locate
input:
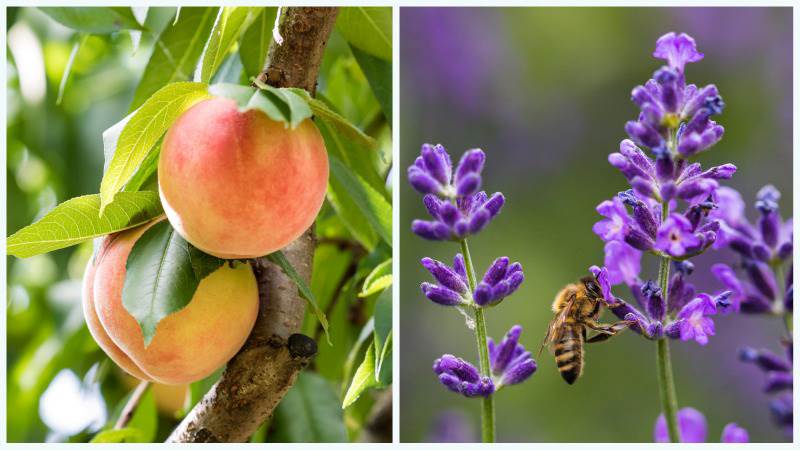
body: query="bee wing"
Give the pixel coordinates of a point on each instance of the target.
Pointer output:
(555, 328)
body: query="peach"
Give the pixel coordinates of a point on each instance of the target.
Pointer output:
(239, 184)
(189, 344)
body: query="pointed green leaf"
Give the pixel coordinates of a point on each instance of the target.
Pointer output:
(159, 277)
(309, 412)
(254, 44)
(368, 28)
(281, 105)
(176, 52)
(280, 259)
(342, 125)
(143, 130)
(375, 208)
(98, 20)
(363, 379)
(379, 279)
(230, 25)
(79, 219)
(379, 76)
(383, 366)
(383, 329)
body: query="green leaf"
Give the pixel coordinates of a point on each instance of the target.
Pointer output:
(202, 263)
(146, 176)
(230, 25)
(383, 329)
(79, 219)
(176, 52)
(76, 46)
(363, 379)
(94, 19)
(309, 413)
(143, 130)
(376, 209)
(281, 105)
(379, 76)
(383, 369)
(160, 279)
(369, 29)
(117, 436)
(348, 130)
(379, 279)
(280, 259)
(254, 44)
(293, 104)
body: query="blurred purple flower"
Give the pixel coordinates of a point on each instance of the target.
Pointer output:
(693, 428)
(779, 380)
(452, 426)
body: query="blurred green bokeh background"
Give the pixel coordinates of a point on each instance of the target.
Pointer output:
(54, 153)
(546, 92)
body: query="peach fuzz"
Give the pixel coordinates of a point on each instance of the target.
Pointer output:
(239, 184)
(189, 344)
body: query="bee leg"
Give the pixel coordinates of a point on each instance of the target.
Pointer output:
(604, 330)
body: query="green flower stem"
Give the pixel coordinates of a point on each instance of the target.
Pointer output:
(666, 381)
(487, 403)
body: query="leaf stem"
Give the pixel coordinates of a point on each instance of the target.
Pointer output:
(487, 403)
(130, 407)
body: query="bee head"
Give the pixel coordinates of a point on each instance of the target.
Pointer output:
(592, 288)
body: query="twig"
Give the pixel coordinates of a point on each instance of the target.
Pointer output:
(130, 407)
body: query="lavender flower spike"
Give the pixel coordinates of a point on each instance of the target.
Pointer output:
(693, 428)
(462, 377)
(451, 289)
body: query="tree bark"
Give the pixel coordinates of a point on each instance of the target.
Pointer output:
(261, 373)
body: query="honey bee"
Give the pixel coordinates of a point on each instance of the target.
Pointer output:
(577, 308)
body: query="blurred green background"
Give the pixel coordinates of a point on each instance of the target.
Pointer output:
(546, 92)
(61, 386)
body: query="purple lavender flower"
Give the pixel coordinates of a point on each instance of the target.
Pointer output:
(462, 377)
(677, 49)
(624, 263)
(453, 200)
(501, 280)
(453, 427)
(693, 428)
(511, 363)
(675, 236)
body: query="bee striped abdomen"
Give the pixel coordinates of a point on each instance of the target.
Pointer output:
(569, 353)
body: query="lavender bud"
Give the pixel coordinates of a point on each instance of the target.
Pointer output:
(761, 277)
(637, 238)
(461, 228)
(519, 371)
(769, 224)
(652, 114)
(788, 301)
(698, 100)
(764, 359)
(761, 252)
(445, 276)
(496, 271)
(640, 96)
(696, 187)
(482, 294)
(479, 220)
(449, 213)
(434, 231)
(471, 163)
(723, 172)
(641, 213)
(667, 78)
(441, 295)
(654, 306)
(495, 203)
(643, 134)
(504, 352)
(778, 381)
(644, 187)
(468, 184)
(422, 182)
(437, 163)
(665, 169)
(781, 409)
(459, 267)
(785, 250)
(456, 366)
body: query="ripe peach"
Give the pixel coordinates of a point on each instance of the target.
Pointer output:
(238, 184)
(189, 344)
